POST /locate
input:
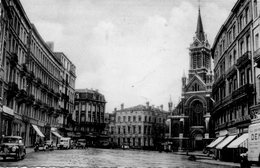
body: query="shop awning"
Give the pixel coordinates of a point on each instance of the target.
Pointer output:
(215, 142)
(38, 130)
(57, 134)
(225, 141)
(239, 142)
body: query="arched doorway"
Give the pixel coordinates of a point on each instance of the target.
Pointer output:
(197, 139)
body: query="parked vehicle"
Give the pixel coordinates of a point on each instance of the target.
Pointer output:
(12, 146)
(81, 143)
(49, 145)
(125, 146)
(65, 143)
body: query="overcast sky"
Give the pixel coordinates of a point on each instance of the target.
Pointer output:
(132, 51)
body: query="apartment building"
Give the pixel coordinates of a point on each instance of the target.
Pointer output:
(32, 79)
(89, 115)
(139, 126)
(233, 89)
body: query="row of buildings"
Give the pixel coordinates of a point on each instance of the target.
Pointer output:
(220, 107)
(37, 85)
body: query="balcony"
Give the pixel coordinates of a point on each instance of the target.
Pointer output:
(14, 59)
(12, 90)
(245, 118)
(30, 76)
(244, 60)
(220, 80)
(45, 87)
(24, 70)
(30, 99)
(21, 96)
(257, 57)
(38, 82)
(50, 111)
(44, 107)
(231, 71)
(37, 104)
(65, 97)
(244, 90)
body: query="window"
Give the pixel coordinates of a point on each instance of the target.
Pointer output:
(119, 130)
(134, 118)
(140, 129)
(247, 15)
(129, 118)
(129, 129)
(124, 118)
(145, 118)
(118, 119)
(139, 118)
(248, 43)
(241, 24)
(249, 77)
(230, 86)
(255, 9)
(133, 129)
(242, 81)
(241, 48)
(124, 130)
(234, 32)
(256, 41)
(83, 107)
(230, 60)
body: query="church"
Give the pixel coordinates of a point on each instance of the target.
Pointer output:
(190, 121)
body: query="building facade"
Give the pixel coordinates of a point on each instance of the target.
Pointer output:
(6, 116)
(67, 90)
(139, 126)
(233, 89)
(190, 119)
(32, 78)
(89, 115)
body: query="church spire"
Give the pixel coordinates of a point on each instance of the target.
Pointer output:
(200, 32)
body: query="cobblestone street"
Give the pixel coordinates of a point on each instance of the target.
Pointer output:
(93, 157)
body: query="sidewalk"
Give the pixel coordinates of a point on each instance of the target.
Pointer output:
(29, 150)
(204, 158)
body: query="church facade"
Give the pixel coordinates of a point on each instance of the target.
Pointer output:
(190, 121)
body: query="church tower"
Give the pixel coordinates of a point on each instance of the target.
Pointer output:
(200, 59)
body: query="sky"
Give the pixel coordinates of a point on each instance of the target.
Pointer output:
(132, 51)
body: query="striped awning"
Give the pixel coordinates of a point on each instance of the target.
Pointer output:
(226, 141)
(215, 142)
(241, 141)
(36, 128)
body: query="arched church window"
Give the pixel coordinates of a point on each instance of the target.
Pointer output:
(197, 108)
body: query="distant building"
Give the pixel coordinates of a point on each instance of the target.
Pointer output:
(190, 120)
(89, 114)
(139, 126)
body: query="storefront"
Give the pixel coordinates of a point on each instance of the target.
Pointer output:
(39, 136)
(7, 117)
(55, 136)
(223, 152)
(238, 146)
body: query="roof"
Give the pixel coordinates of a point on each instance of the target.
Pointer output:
(200, 32)
(141, 108)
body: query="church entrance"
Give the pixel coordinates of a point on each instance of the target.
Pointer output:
(198, 142)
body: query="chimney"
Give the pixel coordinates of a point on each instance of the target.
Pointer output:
(161, 107)
(147, 104)
(115, 109)
(122, 106)
(50, 44)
